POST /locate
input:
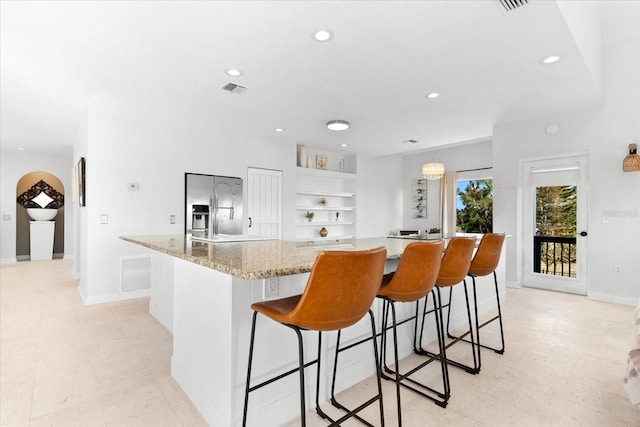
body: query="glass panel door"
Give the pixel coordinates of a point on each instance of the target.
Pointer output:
(554, 244)
(554, 223)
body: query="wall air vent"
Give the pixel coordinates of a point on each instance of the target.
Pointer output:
(135, 273)
(511, 5)
(234, 88)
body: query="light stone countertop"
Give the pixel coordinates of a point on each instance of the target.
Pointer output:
(258, 259)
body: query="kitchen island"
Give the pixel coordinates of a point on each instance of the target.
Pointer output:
(213, 286)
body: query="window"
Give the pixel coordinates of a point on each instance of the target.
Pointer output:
(474, 204)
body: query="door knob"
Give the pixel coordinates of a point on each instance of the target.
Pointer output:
(583, 233)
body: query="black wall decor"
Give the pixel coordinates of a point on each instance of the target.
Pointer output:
(81, 182)
(26, 198)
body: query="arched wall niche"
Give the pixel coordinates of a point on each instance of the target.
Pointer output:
(23, 249)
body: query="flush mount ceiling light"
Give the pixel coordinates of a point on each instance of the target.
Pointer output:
(279, 130)
(344, 145)
(433, 170)
(338, 125)
(550, 59)
(233, 72)
(20, 148)
(433, 95)
(323, 35)
(551, 129)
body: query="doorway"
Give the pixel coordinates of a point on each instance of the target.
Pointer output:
(264, 202)
(555, 200)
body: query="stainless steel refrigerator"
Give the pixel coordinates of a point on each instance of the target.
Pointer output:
(199, 189)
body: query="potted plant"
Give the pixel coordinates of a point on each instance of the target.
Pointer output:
(434, 233)
(309, 216)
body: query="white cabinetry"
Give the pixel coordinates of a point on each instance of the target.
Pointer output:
(331, 197)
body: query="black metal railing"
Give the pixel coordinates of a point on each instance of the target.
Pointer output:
(554, 255)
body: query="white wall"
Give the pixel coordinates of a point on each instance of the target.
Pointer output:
(379, 198)
(604, 132)
(455, 158)
(13, 166)
(154, 149)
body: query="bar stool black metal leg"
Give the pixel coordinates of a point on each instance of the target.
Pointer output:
(318, 410)
(475, 345)
(476, 368)
(497, 317)
(391, 307)
(442, 345)
(449, 312)
(353, 413)
(495, 281)
(246, 390)
(303, 406)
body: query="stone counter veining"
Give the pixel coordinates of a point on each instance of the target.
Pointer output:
(258, 259)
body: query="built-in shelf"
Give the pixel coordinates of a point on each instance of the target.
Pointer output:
(325, 208)
(325, 173)
(324, 223)
(330, 195)
(325, 193)
(327, 238)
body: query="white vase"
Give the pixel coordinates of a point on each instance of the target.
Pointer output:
(302, 156)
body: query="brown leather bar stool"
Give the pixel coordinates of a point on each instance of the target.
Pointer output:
(453, 270)
(413, 280)
(484, 263)
(339, 292)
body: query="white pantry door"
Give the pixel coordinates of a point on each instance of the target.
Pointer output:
(264, 202)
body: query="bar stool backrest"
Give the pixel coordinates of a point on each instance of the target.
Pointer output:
(487, 256)
(416, 273)
(456, 261)
(340, 289)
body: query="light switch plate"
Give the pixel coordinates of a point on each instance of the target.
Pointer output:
(6, 217)
(104, 219)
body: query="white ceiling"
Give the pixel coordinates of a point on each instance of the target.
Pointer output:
(385, 57)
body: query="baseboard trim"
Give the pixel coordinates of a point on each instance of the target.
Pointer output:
(599, 296)
(101, 299)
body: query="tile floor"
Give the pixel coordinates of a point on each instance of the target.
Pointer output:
(65, 364)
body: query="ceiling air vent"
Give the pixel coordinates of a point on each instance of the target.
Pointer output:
(511, 5)
(234, 88)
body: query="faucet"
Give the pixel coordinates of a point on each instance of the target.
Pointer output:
(213, 208)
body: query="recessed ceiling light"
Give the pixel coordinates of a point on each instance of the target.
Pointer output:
(550, 59)
(20, 148)
(338, 125)
(323, 35)
(233, 72)
(344, 145)
(279, 130)
(410, 141)
(433, 95)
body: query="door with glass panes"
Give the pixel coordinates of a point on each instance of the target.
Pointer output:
(554, 223)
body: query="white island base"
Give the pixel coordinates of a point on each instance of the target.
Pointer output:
(212, 325)
(208, 311)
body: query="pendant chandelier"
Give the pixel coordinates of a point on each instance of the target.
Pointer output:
(433, 170)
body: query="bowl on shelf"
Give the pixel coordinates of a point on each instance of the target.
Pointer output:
(42, 214)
